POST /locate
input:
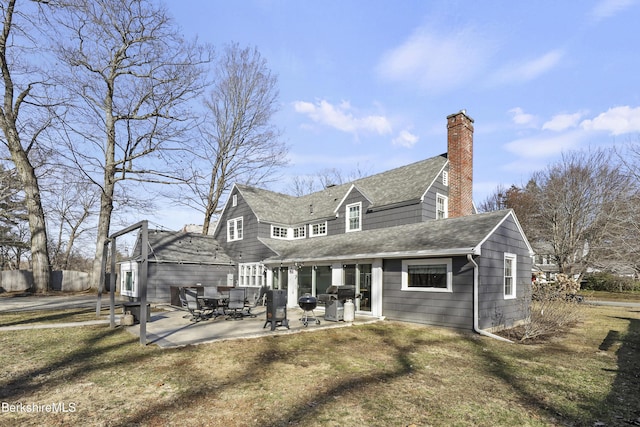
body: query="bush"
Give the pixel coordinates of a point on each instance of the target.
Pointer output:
(549, 291)
(551, 311)
(609, 282)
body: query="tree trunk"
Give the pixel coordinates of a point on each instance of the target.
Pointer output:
(104, 223)
(37, 226)
(19, 156)
(108, 190)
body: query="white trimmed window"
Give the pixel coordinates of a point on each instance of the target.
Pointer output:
(279, 232)
(354, 217)
(427, 275)
(234, 229)
(300, 232)
(445, 178)
(510, 275)
(319, 229)
(442, 206)
(234, 200)
(251, 274)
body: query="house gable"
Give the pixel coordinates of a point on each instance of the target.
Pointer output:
(496, 309)
(241, 209)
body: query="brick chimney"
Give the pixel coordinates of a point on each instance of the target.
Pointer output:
(460, 155)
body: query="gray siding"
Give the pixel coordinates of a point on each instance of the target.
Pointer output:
(429, 203)
(249, 249)
(392, 217)
(494, 309)
(371, 220)
(453, 309)
(162, 276)
(339, 225)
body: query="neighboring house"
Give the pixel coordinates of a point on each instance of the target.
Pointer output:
(544, 268)
(176, 259)
(408, 239)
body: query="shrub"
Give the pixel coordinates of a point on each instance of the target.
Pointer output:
(563, 286)
(609, 282)
(551, 311)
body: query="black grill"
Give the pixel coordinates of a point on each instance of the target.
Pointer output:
(308, 303)
(276, 309)
(339, 293)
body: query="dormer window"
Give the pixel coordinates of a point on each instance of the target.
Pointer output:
(300, 232)
(319, 229)
(279, 232)
(354, 217)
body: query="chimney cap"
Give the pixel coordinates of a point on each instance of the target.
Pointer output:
(461, 112)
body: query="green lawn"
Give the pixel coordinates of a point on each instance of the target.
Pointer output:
(611, 296)
(383, 374)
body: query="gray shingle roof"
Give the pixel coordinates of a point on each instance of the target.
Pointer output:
(185, 248)
(406, 183)
(431, 238)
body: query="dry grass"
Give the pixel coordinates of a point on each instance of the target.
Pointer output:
(384, 374)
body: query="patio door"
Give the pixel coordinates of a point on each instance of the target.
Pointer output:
(359, 276)
(305, 281)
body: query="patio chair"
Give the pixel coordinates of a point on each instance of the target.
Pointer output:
(235, 305)
(256, 299)
(189, 300)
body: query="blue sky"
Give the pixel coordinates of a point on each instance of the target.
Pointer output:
(368, 83)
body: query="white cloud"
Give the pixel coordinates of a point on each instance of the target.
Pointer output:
(607, 8)
(525, 71)
(561, 122)
(342, 117)
(544, 145)
(519, 117)
(435, 62)
(405, 139)
(616, 121)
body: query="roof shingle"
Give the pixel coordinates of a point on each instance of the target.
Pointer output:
(445, 237)
(406, 183)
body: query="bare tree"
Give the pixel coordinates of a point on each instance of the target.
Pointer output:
(497, 200)
(628, 232)
(12, 215)
(22, 123)
(307, 184)
(238, 141)
(72, 202)
(133, 76)
(580, 202)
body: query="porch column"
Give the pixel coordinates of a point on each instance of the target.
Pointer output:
(336, 274)
(377, 275)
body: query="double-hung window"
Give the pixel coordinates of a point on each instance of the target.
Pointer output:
(429, 275)
(234, 229)
(442, 206)
(510, 275)
(354, 217)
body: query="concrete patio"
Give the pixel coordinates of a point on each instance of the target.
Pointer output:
(169, 327)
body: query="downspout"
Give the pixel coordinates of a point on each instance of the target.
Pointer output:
(476, 309)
